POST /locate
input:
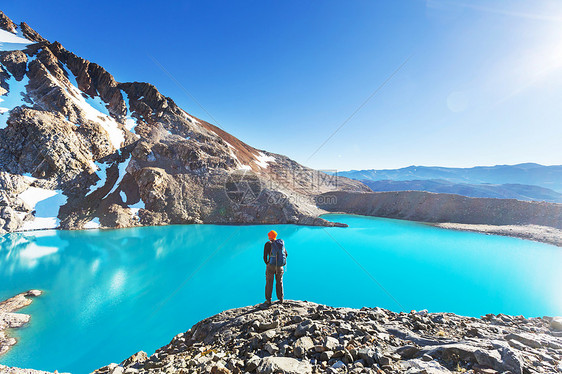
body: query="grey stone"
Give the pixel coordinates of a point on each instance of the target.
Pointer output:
(304, 342)
(268, 335)
(524, 338)
(271, 348)
(338, 365)
(302, 329)
(556, 323)
(417, 366)
(264, 326)
(136, 358)
(407, 352)
(252, 363)
(286, 365)
(511, 361)
(331, 343)
(385, 360)
(300, 352)
(326, 355)
(368, 355)
(491, 358)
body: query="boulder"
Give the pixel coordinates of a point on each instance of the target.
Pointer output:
(271, 348)
(556, 323)
(286, 365)
(268, 335)
(302, 328)
(252, 363)
(417, 366)
(338, 365)
(302, 346)
(330, 343)
(526, 339)
(264, 326)
(407, 352)
(369, 355)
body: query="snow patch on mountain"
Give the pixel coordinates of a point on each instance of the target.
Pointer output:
(130, 122)
(13, 98)
(262, 160)
(102, 175)
(241, 165)
(122, 171)
(93, 224)
(94, 109)
(190, 118)
(11, 42)
(136, 207)
(46, 204)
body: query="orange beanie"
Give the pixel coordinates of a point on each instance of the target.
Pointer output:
(272, 235)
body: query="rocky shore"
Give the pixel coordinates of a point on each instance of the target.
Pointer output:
(536, 233)
(532, 220)
(11, 320)
(304, 337)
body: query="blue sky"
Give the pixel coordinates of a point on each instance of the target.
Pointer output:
(482, 86)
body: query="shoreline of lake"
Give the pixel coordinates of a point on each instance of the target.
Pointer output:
(541, 234)
(536, 233)
(11, 320)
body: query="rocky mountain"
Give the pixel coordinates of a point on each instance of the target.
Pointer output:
(549, 177)
(497, 191)
(79, 149)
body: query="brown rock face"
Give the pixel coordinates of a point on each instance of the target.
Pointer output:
(28, 33)
(6, 23)
(127, 155)
(15, 62)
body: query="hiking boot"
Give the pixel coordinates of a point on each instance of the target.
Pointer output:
(267, 302)
(281, 301)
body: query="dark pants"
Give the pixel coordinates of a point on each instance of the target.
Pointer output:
(277, 272)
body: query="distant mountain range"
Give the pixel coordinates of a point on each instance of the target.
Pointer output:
(498, 191)
(523, 181)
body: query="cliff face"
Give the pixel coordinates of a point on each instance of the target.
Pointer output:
(432, 207)
(79, 149)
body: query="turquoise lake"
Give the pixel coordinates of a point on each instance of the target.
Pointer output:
(110, 293)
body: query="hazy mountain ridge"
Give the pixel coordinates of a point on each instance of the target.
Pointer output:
(498, 191)
(549, 177)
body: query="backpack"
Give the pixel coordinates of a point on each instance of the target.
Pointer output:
(278, 255)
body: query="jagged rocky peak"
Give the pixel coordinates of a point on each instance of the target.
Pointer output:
(78, 149)
(22, 29)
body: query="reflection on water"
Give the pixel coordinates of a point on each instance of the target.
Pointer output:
(111, 293)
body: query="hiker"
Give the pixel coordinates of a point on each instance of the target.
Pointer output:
(275, 257)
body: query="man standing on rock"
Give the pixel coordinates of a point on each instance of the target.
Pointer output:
(275, 257)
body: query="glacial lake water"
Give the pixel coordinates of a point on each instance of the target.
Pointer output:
(110, 293)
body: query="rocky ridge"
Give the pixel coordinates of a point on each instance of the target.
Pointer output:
(304, 337)
(539, 221)
(79, 149)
